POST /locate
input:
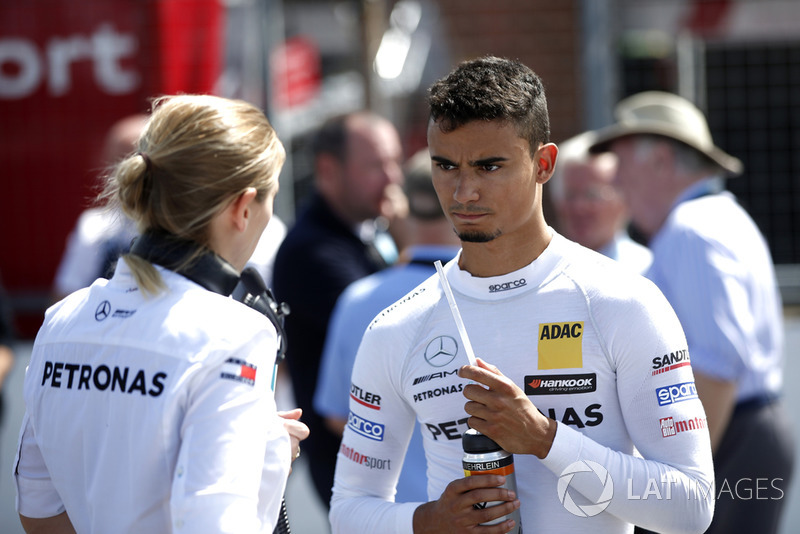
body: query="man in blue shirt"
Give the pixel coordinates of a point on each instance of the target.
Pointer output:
(432, 238)
(715, 268)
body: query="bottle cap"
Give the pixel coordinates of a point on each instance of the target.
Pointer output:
(475, 443)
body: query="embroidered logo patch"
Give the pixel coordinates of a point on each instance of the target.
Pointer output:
(239, 370)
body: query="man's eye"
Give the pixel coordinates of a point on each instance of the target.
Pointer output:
(491, 167)
(446, 166)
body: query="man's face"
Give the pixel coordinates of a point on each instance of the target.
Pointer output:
(372, 164)
(639, 180)
(485, 177)
(591, 209)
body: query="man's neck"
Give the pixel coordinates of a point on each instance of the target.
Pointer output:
(503, 255)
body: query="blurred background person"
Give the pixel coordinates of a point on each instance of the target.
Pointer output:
(588, 206)
(357, 177)
(100, 235)
(431, 238)
(712, 263)
(157, 377)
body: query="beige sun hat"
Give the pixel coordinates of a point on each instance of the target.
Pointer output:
(668, 115)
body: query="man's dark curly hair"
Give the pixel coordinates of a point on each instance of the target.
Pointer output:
(488, 89)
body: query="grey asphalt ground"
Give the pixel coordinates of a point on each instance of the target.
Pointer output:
(306, 513)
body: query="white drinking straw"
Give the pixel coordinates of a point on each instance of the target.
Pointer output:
(462, 331)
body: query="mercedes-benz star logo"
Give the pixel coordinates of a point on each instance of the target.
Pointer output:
(102, 311)
(441, 351)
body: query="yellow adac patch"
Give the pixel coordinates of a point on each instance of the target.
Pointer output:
(560, 345)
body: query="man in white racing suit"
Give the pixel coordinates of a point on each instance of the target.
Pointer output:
(589, 382)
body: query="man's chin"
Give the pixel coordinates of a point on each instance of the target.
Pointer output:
(474, 236)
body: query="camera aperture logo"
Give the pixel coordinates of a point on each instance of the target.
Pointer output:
(586, 510)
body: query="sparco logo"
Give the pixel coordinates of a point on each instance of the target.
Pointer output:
(505, 286)
(365, 427)
(441, 351)
(676, 393)
(560, 384)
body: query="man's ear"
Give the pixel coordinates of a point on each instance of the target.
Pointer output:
(240, 208)
(545, 161)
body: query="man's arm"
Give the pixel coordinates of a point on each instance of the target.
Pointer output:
(59, 524)
(719, 400)
(6, 363)
(671, 437)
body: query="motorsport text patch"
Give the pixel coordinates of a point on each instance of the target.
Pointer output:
(560, 345)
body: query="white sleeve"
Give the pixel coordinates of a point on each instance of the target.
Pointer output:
(234, 458)
(374, 445)
(670, 488)
(36, 495)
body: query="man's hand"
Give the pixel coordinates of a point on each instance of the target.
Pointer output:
(454, 511)
(502, 411)
(297, 431)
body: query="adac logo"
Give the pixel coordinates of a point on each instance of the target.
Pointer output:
(441, 351)
(103, 311)
(586, 510)
(560, 345)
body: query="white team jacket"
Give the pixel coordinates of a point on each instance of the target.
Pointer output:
(152, 414)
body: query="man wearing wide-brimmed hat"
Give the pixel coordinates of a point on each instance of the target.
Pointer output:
(714, 266)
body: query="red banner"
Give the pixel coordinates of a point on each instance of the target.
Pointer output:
(68, 71)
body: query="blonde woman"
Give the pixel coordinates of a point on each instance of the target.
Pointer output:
(148, 396)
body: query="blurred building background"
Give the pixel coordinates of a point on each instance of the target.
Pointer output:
(69, 70)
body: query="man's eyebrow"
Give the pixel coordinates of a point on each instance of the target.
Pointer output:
(439, 159)
(476, 163)
(487, 161)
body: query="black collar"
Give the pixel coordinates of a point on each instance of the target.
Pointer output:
(208, 269)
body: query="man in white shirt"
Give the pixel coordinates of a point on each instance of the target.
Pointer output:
(589, 368)
(715, 268)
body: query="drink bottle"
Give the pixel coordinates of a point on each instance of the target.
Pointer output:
(482, 456)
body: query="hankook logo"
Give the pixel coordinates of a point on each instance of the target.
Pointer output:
(441, 351)
(103, 310)
(560, 384)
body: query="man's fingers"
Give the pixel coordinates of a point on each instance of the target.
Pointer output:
(481, 375)
(291, 414)
(463, 485)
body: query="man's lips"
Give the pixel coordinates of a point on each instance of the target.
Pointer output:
(468, 216)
